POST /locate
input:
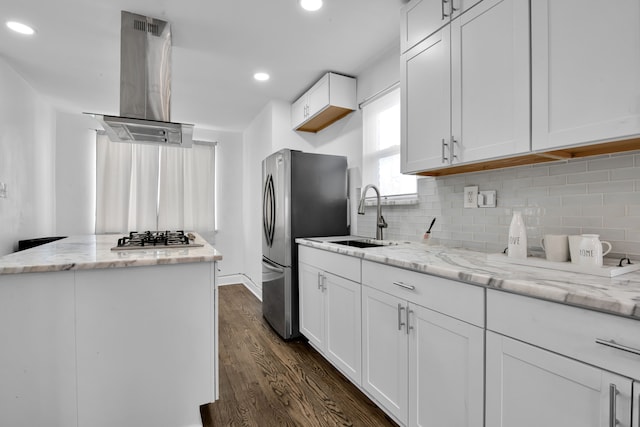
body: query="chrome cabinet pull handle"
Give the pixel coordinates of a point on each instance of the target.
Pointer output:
(613, 391)
(324, 283)
(404, 285)
(613, 344)
(444, 15)
(409, 313)
(453, 148)
(400, 322)
(320, 281)
(444, 144)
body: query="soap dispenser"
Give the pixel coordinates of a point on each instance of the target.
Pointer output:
(517, 247)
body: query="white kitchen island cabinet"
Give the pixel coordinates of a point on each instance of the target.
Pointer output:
(124, 338)
(330, 308)
(585, 65)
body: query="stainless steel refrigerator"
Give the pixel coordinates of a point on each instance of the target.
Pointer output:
(303, 195)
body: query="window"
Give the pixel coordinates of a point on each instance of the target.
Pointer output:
(381, 147)
(148, 187)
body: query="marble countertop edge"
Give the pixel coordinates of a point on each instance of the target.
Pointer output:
(619, 295)
(94, 252)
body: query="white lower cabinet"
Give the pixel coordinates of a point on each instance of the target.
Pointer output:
(385, 351)
(419, 363)
(635, 422)
(550, 364)
(446, 370)
(330, 315)
(531, 387)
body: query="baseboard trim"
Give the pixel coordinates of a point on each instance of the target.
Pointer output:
(240, 278)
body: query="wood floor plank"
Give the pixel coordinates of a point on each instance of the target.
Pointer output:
(265, 381)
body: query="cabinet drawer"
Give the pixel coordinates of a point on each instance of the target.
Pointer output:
(340, 265)
(455, 299)
(567, 330)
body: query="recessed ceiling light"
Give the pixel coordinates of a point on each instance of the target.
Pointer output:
(21, 28)
(261, 77)
(311, 5)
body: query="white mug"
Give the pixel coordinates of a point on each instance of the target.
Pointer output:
(556, 247)
(590, 250)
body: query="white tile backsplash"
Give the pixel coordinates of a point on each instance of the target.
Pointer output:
(598, 195)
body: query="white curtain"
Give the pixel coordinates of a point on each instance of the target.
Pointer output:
(146, 187)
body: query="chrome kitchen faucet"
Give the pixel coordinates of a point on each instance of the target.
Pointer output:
(380, 222)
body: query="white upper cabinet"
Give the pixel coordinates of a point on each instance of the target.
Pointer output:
(586, 71)
(426, 104)
(328, 100)
(421, 18)
(465, 89)
(490, 81)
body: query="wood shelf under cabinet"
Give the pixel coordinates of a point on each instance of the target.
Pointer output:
(539, 157)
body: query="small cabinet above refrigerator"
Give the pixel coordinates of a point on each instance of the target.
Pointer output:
(327, 101)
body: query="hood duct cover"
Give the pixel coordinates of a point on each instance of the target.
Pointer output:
(145, 86)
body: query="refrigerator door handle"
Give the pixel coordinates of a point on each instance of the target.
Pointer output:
(268, 210)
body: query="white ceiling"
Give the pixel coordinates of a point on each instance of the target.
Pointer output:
(74, 59)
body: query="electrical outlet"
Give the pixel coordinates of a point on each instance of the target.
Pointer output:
(3, 190)
(471, 197)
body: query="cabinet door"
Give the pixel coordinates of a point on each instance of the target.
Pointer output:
(318, 96)
(490, 81)
(385, 351)
(636, 405)
(460, 6)
(343, 325)
(299, 111)
(425, 104)
(531, 387)
(586, 63)
(446, 364)
(420, 19)
(38, 350)
(311, 297)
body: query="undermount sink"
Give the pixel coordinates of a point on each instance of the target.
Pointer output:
(363, 243)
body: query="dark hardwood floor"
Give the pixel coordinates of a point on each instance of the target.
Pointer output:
(265, 381)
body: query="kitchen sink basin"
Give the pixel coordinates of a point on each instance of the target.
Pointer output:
(363, 243)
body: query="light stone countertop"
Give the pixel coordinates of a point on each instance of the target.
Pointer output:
(619, 295)
(94, 251)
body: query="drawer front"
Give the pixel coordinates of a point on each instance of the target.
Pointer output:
(449, 297)
(340, 265)
(567, 330)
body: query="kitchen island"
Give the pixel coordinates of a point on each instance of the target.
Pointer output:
(95, 337)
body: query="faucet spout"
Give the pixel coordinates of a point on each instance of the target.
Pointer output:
(380, 222)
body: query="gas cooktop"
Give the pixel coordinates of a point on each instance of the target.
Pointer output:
(156, 240)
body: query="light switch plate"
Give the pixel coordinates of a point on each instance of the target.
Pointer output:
(471, 196)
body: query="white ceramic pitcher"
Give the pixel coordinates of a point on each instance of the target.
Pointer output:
(590, 250)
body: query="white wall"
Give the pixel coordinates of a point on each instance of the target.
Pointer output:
(229, 237)
(256, 145)
(75, 174)
(27, 144)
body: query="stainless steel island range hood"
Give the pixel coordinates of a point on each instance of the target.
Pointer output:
(145, 86)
